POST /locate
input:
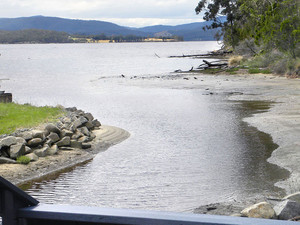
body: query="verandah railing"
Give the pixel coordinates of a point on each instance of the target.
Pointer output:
(19, 208)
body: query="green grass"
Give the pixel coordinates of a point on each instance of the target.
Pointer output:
(15, 116)
(257, 70)
(23, 160)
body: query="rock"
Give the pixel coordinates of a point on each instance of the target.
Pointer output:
(52, 128)
(4, 160)
(28, 150)
(65, 141)
(76, 144)
(86, 146)
(89, 116)
(259, 210)
(42, 152)
(77, 135)
(8, 141)
(84, 139)
(21, 140)
(92, 136)
(53, 137)
(96, 123)
(287, 209)
(84, 131)
(53, 150)
(66, 148)
(80, 122)
(38, 134)
(35, 142)
(66, 133)
(16, 151)
(89, 125)
(26, 135)
(71, 109)
(294, 197)
(33, 157)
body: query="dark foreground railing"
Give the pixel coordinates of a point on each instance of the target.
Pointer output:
(18, 208)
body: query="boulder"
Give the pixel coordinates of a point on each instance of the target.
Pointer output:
(71, 109)
(65, 141)
(84, 139)
(287, 209)
(16, 151)
(84, 131)
(96, 123)
(66, 148)
(4, 160)
(53, 150)
(35, 142)
(80, 122)
(259, 210)
(26, 135)
(8, 141)
(89, 116)
(53, 137)
(66, 132)
(42, 152)
(28, 150)
(52, 128)
(33, 157)
(76, 144)
(294, 197)
(77, 135)
(89, 125)
(21, 140)
(86, 146)
(38, 134)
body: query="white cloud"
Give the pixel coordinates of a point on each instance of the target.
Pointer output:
(135, 12)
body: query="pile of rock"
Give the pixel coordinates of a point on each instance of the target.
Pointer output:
(287, 208)
(74, 130)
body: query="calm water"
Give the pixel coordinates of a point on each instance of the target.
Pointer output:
(186, 149)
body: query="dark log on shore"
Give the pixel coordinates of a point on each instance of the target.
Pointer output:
(208, 55)
(220, 64)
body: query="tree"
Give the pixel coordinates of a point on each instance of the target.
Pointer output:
(217, 8)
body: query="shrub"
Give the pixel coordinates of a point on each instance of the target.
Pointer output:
(235, 60)
(23, 160)
(257, 70)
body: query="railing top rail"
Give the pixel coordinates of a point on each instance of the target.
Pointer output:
(125, 216)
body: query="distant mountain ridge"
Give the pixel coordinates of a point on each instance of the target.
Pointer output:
(190, 32)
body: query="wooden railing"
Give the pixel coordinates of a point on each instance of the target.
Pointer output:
(19, 208)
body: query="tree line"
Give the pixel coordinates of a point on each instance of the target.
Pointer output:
(48, 36)
(261, 25)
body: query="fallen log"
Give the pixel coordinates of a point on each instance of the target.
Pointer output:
(220, 64)
(208, 55)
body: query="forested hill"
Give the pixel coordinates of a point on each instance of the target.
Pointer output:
(189, 32)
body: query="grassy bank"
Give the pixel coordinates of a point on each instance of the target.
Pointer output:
(15, 116)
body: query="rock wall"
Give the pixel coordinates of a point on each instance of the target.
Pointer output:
(74, 130)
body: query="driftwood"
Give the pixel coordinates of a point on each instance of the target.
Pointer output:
(220, 64)
(213, 54)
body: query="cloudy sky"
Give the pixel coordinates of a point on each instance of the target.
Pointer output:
(135, 13)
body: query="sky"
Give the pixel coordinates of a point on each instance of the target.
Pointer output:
(133, 13)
